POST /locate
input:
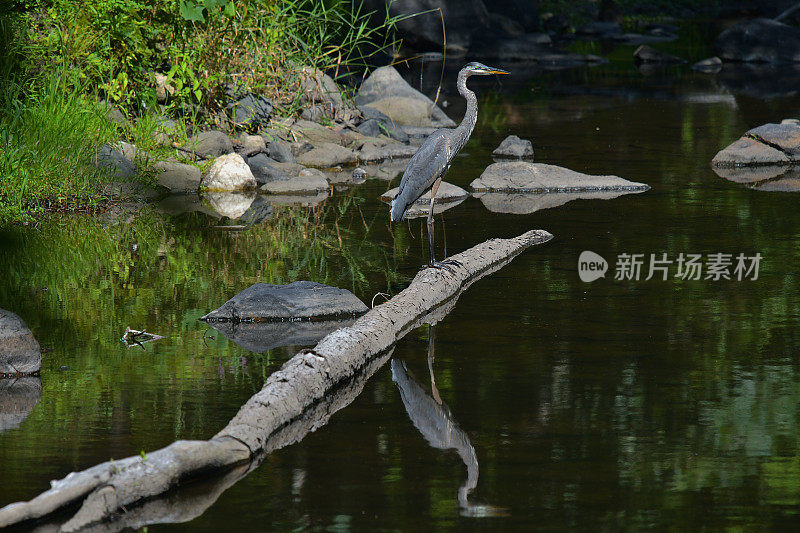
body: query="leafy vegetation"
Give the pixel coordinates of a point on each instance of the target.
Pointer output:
(59, 60)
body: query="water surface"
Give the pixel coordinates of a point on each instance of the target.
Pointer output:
(612, 404)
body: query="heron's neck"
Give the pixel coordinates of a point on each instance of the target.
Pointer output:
(468, 122)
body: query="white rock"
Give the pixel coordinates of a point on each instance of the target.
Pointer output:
(229, 173)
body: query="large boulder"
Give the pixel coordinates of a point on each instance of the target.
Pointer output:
(522, 176)
(229, 173)
(178, 177)
(326, 155)
(385, 85)
(759, 41)
(265, 169)
(513, 146)
(301, 300)
(212, 143)
(310, 181)
(18, 397)
(19, 351)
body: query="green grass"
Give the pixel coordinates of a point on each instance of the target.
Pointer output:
(48, 137)
(59, 58)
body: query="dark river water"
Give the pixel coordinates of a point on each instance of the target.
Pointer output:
(620, 403)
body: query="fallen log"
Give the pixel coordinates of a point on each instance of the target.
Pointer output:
(302, 381)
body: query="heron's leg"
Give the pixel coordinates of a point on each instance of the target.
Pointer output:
(431, 340)
(434, 190)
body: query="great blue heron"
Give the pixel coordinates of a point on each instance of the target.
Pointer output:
(430, 163)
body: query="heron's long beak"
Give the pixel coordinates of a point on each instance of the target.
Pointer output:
(493, 70)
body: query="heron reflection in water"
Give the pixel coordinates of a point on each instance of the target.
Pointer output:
(432, 160)
(432, 417)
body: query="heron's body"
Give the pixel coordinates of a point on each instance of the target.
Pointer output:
(431, 162)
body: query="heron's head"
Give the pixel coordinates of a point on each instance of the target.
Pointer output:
(480, 69)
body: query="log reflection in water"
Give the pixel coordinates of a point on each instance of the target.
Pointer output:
(433, 418)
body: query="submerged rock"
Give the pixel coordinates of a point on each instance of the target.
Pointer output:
(386, 90)
(759, 41)
(752, 174)
(258, 337)
(19, 351)
(210, 144)
(513, 146)
(178, 177)
(300, 300)
(522, 176)
(309, 181)
(18, 397)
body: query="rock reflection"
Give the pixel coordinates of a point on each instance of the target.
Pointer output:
(769, 178)
(527, 203)
(433, 418)
(18, 397)
(258, 337)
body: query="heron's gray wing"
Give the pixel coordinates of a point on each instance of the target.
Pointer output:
(427, 165)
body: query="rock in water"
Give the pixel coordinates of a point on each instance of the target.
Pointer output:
(769, 144)
(513, 146)
(210, 144)
(229, 173)
(385, 84)
(522, 176)
(648, 54)
(301, 300)
(19, 351)
(759, 41)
